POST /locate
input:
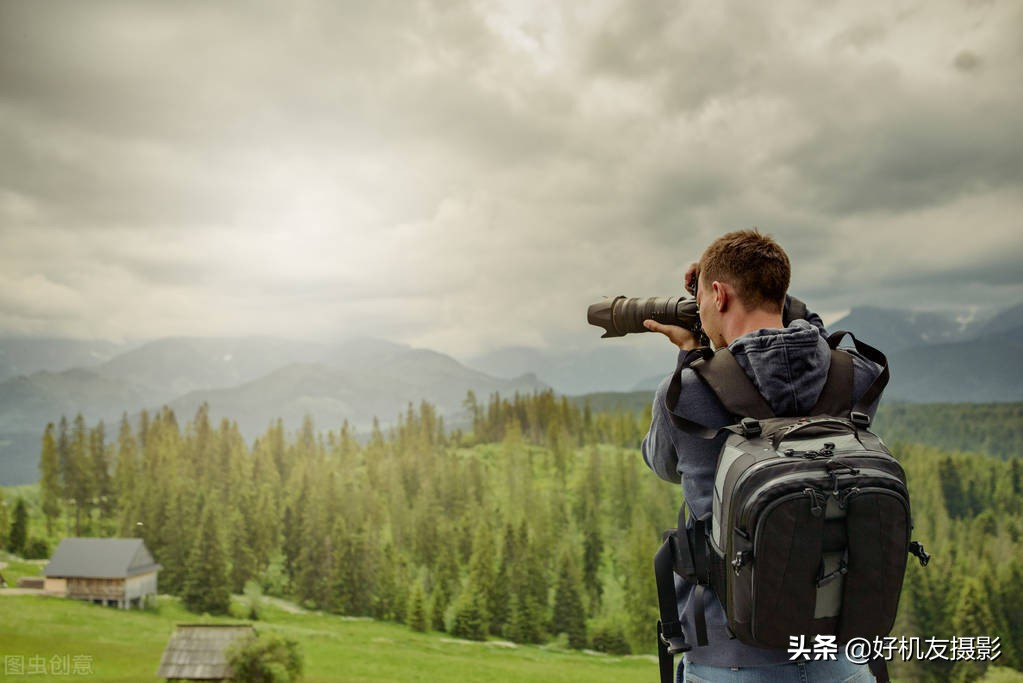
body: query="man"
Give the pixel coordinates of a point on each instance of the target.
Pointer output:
(741, 284)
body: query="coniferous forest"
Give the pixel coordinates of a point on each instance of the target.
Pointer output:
(538, 522)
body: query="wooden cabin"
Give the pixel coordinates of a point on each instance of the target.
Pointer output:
(117, 572)
(198, 652)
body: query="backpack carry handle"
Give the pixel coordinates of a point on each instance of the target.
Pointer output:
(846, 425)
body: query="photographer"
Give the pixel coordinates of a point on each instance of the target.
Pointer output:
(740, 286)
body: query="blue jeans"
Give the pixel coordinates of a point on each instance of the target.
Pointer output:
(837, 671)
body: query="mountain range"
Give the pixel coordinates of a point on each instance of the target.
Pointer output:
(252, 381)
(934, 357)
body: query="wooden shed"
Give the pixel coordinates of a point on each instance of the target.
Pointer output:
(110, 571)
(198, 652)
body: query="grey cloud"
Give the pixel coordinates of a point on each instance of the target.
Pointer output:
(861, 36)
(207, 86)
(967, 60)
(689, 53)
(988, 285)
(311, 164)
(998, 270)
(910, 159)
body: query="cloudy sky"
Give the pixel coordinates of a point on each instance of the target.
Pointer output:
(469, 174)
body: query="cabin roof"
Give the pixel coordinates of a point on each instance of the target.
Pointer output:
(100, 558)
(198, 651)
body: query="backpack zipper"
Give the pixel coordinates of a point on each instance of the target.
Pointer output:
(819, 484)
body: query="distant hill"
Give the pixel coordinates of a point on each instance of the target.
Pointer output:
(167, 368)
(1008, 321)
(613, 365)
(24, 356)
(250, 381)
(934, 357)
(28, 403)
(898, 330)
(977, 371)
(332, 396)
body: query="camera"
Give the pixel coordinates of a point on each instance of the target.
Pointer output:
(621, 315)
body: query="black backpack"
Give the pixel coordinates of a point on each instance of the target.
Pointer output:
(810, 524)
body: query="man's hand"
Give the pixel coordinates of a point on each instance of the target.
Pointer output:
(691, 272)
(679, 336)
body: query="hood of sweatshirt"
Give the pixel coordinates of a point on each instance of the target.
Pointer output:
(788, 366)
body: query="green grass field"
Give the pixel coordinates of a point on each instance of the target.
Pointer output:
(126, 646)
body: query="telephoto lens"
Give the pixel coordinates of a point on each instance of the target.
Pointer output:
(621, 315)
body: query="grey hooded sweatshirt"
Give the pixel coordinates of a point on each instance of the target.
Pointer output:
(789, 367)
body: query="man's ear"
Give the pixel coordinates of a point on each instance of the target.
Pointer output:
(722, 295)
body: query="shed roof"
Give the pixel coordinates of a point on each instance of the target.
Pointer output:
(198, 651)
(100, 558)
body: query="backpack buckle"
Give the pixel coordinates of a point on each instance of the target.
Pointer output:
(917, 548)
(750, 427)
(860, 419)
(741, 558)
(672, 638)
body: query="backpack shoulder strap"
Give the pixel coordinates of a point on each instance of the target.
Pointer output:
(836, 397)
(737, 393)
(728, 381)
(732, 385)
(873, 392)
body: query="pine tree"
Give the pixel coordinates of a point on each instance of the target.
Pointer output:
(503, 585)
(593, 550)
(569, 616)
(49, 482)
(18, 535)
(266, 527)
(127, 480)
(243, 551)
(440, 599)
(417, 617)
(588, 495)
(176, 528)
(640, 589)
(63, 457)
(1011, 592)
(972, 618)
(99, 471)
(528, 584)
(354, 577)
(78, 478)
(317, 556)
(445, 579)
(206, 586)
(391, 583)
(525, 625)
(293, 522)
(470, 615)
(951, 478)
(482, 572)
(472, 407)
